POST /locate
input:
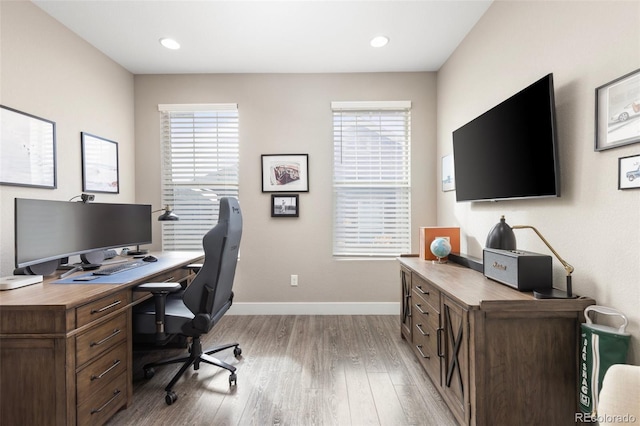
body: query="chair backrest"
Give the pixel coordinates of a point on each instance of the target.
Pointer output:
(209, 294)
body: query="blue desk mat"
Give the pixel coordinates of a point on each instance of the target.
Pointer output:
(118, 278)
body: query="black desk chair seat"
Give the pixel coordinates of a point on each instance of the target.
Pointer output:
(198, 308)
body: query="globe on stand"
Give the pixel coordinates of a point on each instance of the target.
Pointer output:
(440, 247)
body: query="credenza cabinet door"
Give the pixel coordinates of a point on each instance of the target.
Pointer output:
(405, 303)
(455, 353)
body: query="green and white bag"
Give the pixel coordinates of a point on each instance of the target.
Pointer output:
(601, 346)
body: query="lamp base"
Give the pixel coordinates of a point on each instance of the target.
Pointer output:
(552, 293)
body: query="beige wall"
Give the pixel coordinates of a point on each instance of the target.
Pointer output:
(594, 226)
(47, 71)
(284, 113)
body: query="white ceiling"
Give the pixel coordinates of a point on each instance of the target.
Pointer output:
(295, 36)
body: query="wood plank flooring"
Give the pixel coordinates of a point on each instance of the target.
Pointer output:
(294, 370)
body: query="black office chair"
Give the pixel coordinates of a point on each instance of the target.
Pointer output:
(195, 311)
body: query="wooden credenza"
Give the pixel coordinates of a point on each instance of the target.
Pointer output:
(66, 349)
(497, 356)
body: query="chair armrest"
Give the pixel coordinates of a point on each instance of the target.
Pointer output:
(158, 287)
(160, 292)
(194, 266)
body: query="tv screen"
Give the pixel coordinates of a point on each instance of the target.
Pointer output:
(49, 230)
(510, 151)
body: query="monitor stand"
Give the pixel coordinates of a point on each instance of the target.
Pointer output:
(137, 251)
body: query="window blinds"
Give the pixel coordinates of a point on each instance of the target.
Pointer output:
(372, 178)
(200, 155)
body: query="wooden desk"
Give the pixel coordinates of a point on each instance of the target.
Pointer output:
(498, 356)
(66, 350)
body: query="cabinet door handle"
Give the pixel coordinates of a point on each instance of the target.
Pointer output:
(112, 305)
(419, 348)
(419, 308)
(100, 376)
(438, 341)
(420, 290)
(419, 327)
(116, 393)
(115, 333)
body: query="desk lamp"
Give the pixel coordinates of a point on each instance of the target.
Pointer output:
(168, 215)
(552, 293)
(502, 237)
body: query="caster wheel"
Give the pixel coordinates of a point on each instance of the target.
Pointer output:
(149, 372)
(170, 397)
(237, 352)
(233, 379)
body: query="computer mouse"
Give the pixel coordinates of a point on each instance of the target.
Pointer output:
(150, 259)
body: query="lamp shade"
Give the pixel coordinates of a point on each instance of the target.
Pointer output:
(501, 237)
(168, 215)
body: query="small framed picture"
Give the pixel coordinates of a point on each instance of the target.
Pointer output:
(285, 173)
(284, 205)
(99, 164)
(618, 112)
(448, 177)
(629, 172)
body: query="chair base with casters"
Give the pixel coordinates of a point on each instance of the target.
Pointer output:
(195, 357)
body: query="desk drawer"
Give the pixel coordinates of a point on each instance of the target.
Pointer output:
(426, 312)
(101, 371)
(98, 409)
(425, 345)
(98, 340)
(429, 293)
(101, 307)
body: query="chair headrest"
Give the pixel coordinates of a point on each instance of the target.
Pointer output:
(228, 208)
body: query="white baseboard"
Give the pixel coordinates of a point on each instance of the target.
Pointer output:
(313, 308)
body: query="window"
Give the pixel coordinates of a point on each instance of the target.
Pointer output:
(200, 155)
(371, 178)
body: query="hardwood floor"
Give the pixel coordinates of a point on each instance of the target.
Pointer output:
(295, 370)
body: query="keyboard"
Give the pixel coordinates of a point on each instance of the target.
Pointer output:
(121, 267)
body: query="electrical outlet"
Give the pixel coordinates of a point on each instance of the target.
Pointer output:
(294, 281)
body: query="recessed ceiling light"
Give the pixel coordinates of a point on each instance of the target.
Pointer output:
(170, 43)
(379, 41)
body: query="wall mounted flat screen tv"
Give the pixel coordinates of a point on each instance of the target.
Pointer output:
(510, 151)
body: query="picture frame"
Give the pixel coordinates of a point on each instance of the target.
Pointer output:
(27, 150)
(629, 172)
(618, 112)
(285, 205)
(448, 175)
(285, 173)
(99, 164)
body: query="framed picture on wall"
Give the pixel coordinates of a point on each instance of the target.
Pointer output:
(618, 112)
(99, 164)
(27, 149)
(629, 172)
(448, 177)
(284, 205)
(285, 173)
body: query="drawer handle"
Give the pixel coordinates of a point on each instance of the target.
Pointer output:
(116, 363)
(419, 348)
(116, 393)
(419, 327)
(112, 305)
(419, 308)
(419, 288)
(115, 333)
(438, 338)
